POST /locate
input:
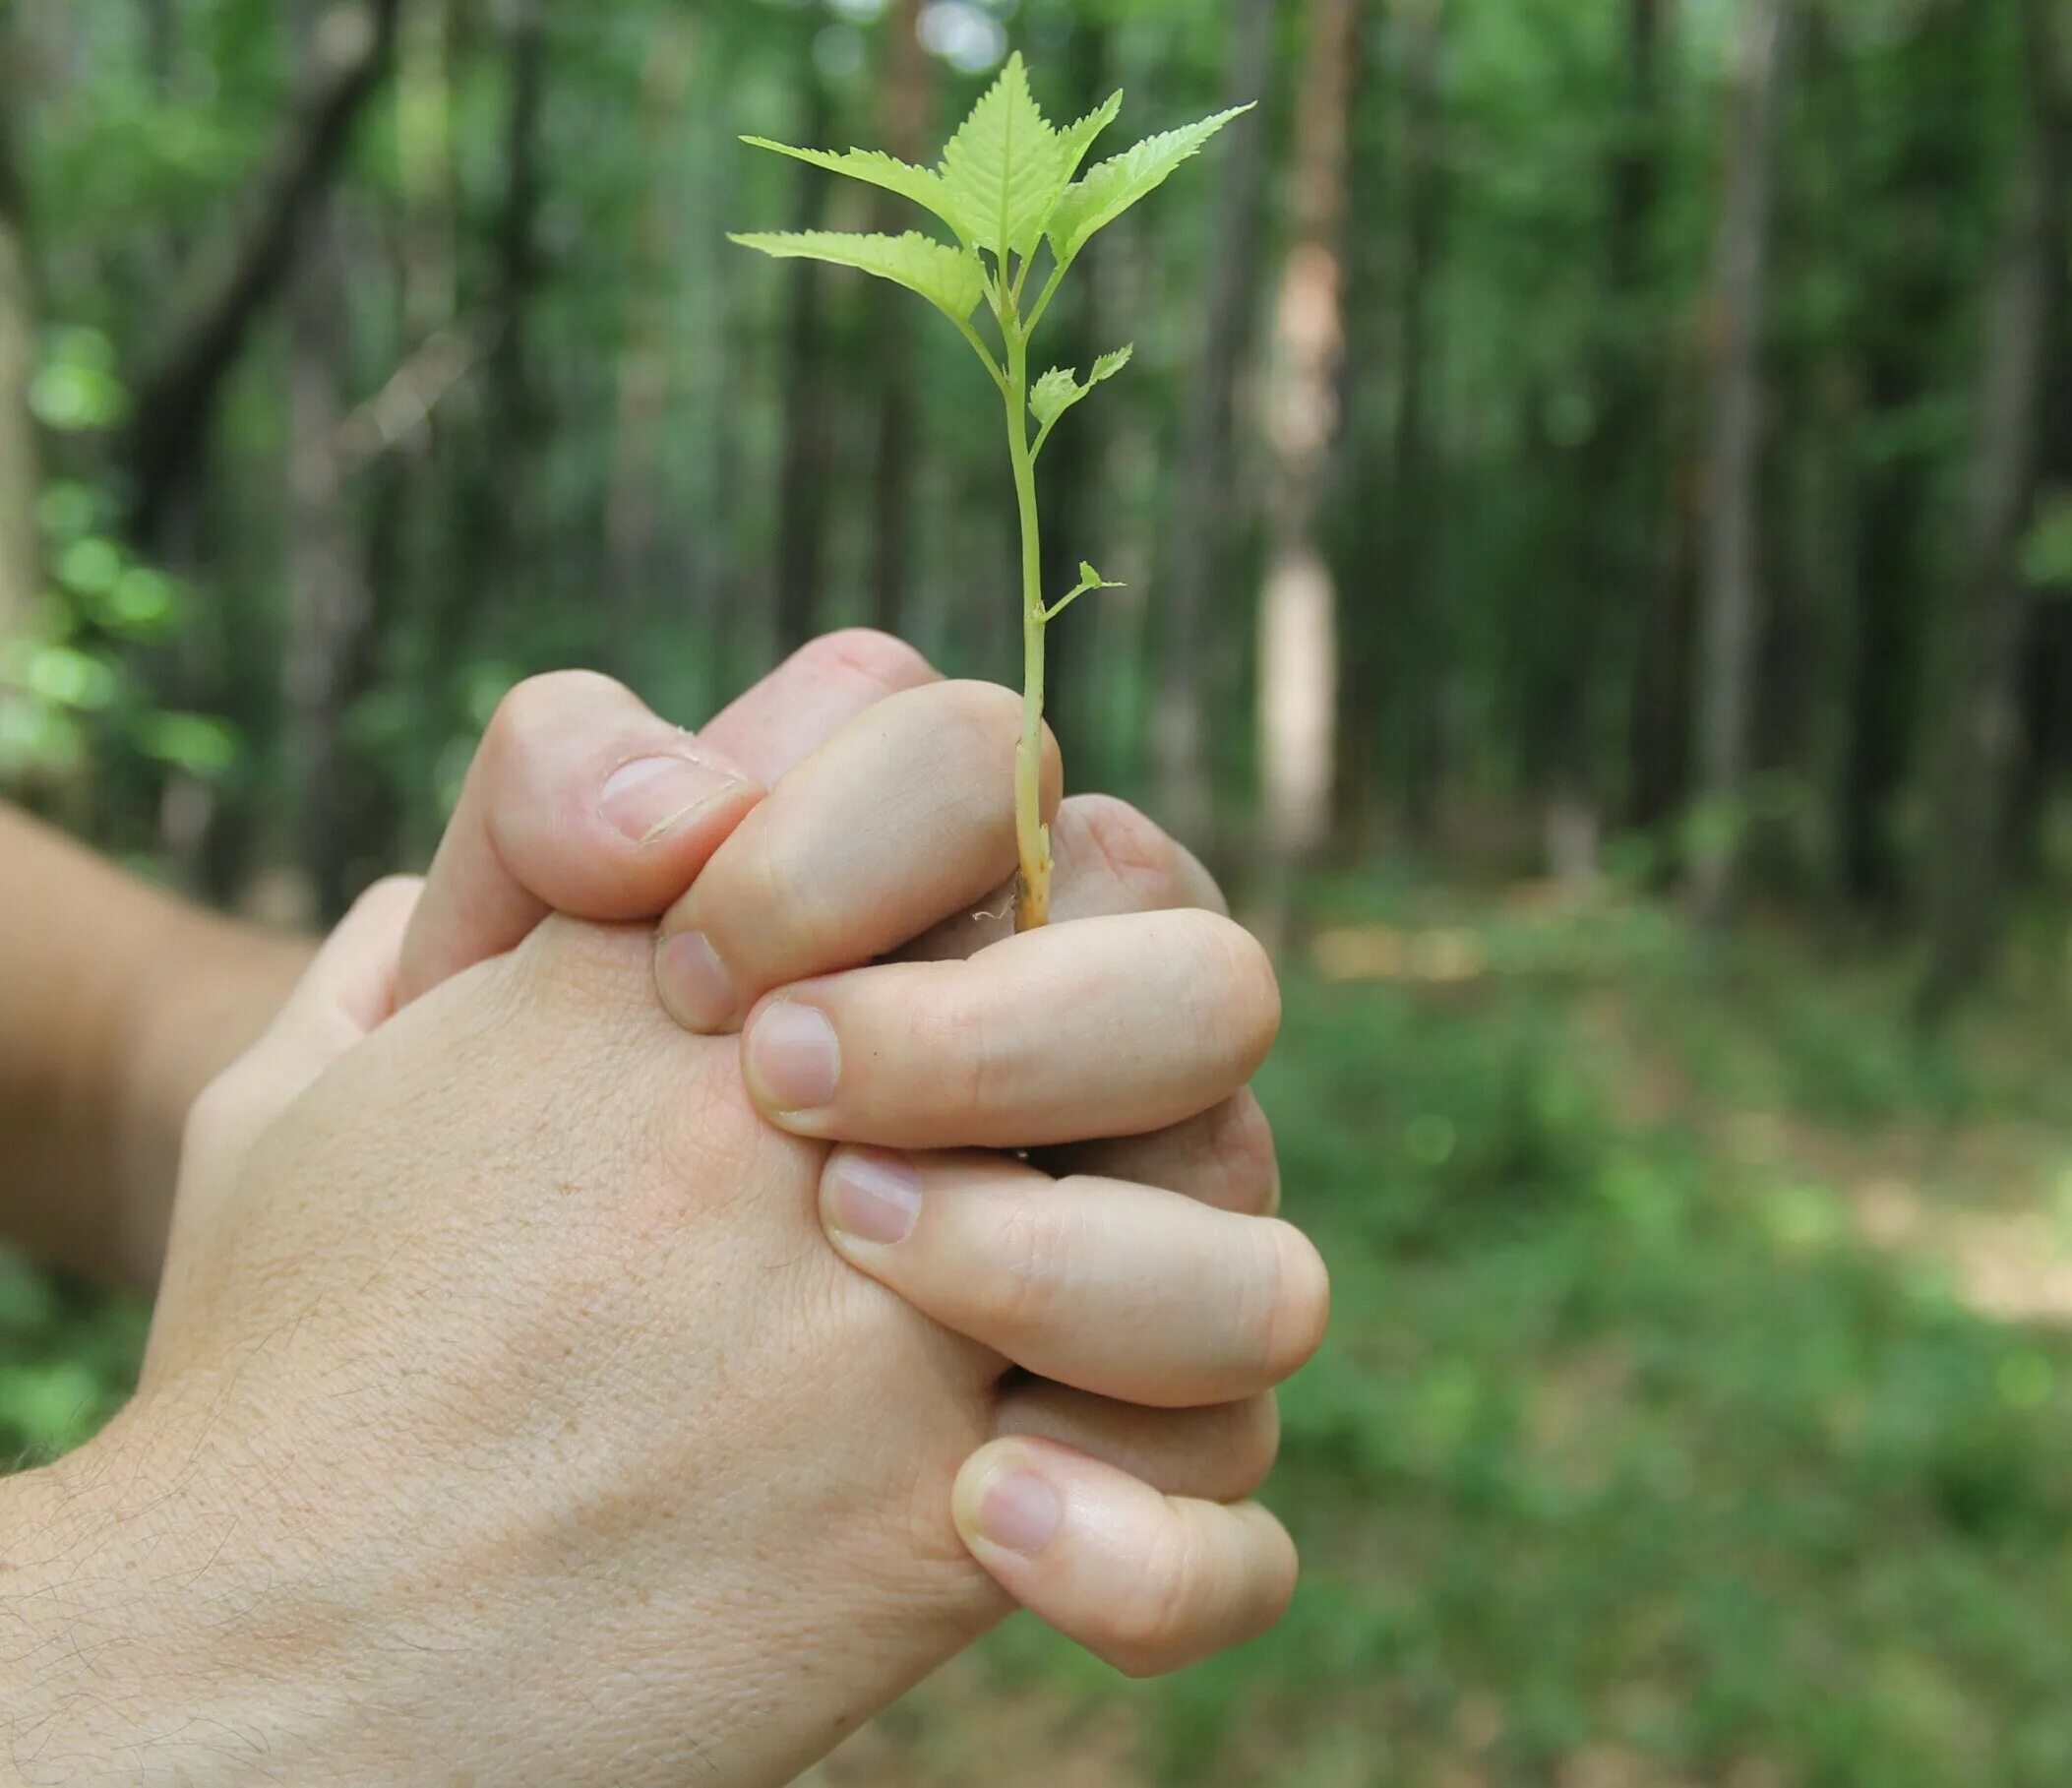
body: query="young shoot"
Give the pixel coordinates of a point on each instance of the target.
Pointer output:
(1011, 190)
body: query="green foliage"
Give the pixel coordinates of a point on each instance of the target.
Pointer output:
(1006, 183)
(951, 281)
(1091, 204)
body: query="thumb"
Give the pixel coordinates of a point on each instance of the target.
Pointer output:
(347, 989)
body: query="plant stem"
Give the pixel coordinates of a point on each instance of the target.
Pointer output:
(1032, 897)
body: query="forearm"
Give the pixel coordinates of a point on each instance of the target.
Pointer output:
(118, 1003)
(132, 1643)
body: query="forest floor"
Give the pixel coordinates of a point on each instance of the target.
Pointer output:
(1698, 1403)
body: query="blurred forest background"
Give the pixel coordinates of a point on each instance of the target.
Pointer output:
(1594, 491)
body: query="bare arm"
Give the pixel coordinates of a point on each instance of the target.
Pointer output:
(118, 1003)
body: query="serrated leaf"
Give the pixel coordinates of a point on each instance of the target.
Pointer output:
(1054, 393)
(1112, 187)
(1107, 365)
(1080, 138)
(949, 278)
(1059, 389)
(1005, 170)
(923, 185)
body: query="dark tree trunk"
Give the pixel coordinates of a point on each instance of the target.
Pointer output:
(1624, 491)
(176, 399)
(328, 594)
(1194, 592)
(1982, 744)
(904, 122)
(804, 472)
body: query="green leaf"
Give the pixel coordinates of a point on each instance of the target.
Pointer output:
(1005, 170)
(1059, 389)
(1089, 581)
(1107, 365)
(923, 185)
(1054, 393)
(949, 278)
(1112, 187)
(1082, 137)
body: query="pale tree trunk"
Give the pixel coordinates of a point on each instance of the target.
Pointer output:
(1191, 597)
(903, 129)
(1298, 610)
(18, 557)
(1730, 598)
(1982, 747)
(328, 597)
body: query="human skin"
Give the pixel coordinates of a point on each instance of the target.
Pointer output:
(935, 1266)
(503, 1381)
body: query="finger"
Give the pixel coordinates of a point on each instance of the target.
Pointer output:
(580, 800)
(347, 989)
(1123, 1290)
(1218, 1454)
(1150, 1582)
(1108, 858)
(1112, 1026)
(905, 815)
(810, 698)
(1224, 1158)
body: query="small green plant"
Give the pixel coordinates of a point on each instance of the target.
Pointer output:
(1008, 184)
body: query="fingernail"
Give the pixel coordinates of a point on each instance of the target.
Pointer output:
(651, 797)
(694, 982)
(793, 1055)
(1020, 1511)
(872, 1196)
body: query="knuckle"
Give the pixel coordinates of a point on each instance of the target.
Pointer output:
(1153, 1624)
(1236, 977)
(956, 1053)
(220, 1116)
(972, 722)
(1028, 1269)
(1253, 1442)
(877, 658)
(1134, 850)
(538, 706)
(1242, 1148)
(1300, 1308)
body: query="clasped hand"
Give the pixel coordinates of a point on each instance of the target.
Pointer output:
(508, 1415)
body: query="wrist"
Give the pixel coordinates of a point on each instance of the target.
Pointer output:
(144, 1638)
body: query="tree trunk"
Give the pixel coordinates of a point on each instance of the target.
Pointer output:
(1389, 620)
(1624, 493)
(1982, 747)
(1731, 596)
(329, 596)
(176, 401)
(1191, 597)
(1298, 614)
(646, 357)
(20, 567)
(903, 125)
(803, 475)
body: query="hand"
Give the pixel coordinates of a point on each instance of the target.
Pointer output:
(407, 1269)
(857, 870)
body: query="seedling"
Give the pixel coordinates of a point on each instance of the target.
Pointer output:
(1008, 183)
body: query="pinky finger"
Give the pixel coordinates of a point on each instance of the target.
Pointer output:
(1148, 1582)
